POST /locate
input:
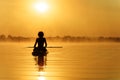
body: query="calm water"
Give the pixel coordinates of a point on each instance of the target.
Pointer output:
(79, 61)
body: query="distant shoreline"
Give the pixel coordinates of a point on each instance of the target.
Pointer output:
(10, 38)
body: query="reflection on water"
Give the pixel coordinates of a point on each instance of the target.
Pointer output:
(83, 61)
(41, 61)
(41, 75)
(41, 78)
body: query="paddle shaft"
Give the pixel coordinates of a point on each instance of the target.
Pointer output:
(50, 47)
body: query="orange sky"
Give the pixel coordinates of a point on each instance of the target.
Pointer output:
(64, 17)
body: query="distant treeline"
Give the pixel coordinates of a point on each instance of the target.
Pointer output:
(62, 39)
(84, 39)
(14, 38)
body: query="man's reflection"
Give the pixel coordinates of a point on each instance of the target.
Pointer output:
(41, 61)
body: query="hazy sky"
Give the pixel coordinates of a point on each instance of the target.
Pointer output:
(64, 17)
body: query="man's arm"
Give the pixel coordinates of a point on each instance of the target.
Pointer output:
(45, 43)
(35, 43)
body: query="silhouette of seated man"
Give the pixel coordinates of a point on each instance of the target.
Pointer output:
(40, 50)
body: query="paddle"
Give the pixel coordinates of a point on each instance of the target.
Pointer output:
(50, 47)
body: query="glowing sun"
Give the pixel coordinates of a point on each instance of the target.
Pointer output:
(41, 7)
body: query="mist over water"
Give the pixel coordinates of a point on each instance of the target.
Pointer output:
(80, 61)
